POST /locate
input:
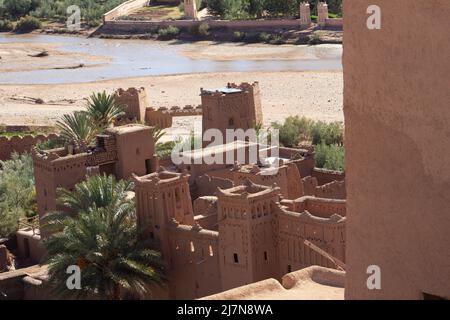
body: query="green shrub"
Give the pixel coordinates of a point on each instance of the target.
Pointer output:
(200, 29)
(51, 144)
(328, 133)
(203, 29)
(252, 37)
(331, 157)
(181, 6)
(17, 192)
(294, 130)
(168, 33)
(27, 24)
(55, 10)
(238, 36)
(314, 39)
(264, 37)
(18, 8)
(164, 149)
(6, 25)
(277, 39)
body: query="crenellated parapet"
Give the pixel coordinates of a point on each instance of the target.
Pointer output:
(135, 102)
(21, 144)
(319, 207)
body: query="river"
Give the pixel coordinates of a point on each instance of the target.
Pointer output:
(136, 58)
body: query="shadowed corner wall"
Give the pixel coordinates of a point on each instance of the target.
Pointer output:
(397, 120)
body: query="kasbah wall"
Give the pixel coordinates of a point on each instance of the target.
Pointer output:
(20, 144)
(396, 96)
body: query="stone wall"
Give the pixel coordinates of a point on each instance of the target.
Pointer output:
(323, 19)
(207, 185)
(134, 100)
(332, 190)
(158, 118)
(25, 284)
(335, 23)
(324, 176)
(194, 265)
(326, 233)
(124, 9)
(126, 26)
(20, 144)
(396, 106)
(319, 207)
(29, 246)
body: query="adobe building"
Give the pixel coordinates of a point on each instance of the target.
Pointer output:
(190, 9)
(120, 151)
(240, 236)
(232, 107)
(305, 15)
(322, 13)
(218, 226)
(295, 174)
(134, 101)
(396, 104)
(137, 110)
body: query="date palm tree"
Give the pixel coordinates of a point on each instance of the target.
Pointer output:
(104, 109)
(77, 128)
(96, 192)
(157, 133)
(103, 241)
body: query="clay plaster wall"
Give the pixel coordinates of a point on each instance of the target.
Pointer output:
(20, 144)
(194, 263)
(147, 26)
(135, 102)
(207, 185)
(326, 233)
(190, 9)
(396, 105)
(324, 176)
(123, 9)
(29, 245)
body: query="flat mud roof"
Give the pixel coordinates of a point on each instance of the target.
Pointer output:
(224, 90)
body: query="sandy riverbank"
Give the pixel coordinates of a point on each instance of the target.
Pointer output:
(19, 57)
(240, 51)
(317, 95)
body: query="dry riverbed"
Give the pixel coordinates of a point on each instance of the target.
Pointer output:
(317, 95)
(19, 57)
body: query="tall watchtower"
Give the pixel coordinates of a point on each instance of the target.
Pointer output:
(135, 102)
(247, 251)
(161, 197)
(305, 15)
(322, 13)
(190, 9)
(232, 107)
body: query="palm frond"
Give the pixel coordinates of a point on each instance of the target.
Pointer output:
(103, 240)
(104, 109)
(77, 128)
